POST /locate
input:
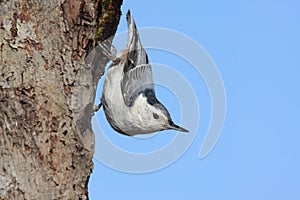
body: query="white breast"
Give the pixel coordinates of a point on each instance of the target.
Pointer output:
(133, 120)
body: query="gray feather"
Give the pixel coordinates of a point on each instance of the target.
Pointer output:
(136, 81)
(137, 74)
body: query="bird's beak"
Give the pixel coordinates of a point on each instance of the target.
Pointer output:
(177, 128)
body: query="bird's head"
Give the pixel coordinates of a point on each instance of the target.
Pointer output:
(161, 116)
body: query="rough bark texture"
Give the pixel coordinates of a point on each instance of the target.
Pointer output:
(47, 92)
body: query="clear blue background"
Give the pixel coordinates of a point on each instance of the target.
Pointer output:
(256, 46)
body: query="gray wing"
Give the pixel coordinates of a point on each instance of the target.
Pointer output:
(137, 74)
(136, 81)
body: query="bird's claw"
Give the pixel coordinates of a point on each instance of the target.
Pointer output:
(96, 107)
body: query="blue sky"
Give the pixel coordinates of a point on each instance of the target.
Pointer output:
(256, 47)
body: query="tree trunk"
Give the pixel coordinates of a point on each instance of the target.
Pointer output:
(47, 92)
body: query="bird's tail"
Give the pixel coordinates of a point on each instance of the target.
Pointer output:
(136, 52)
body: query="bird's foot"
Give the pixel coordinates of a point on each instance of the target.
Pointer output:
(96, 107)
(110, 53)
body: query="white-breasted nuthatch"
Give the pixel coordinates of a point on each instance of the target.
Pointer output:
(128, 96)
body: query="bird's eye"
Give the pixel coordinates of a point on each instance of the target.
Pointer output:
(155, 116)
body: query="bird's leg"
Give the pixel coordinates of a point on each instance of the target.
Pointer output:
(114, 50)
(97, 107)
(111, 54)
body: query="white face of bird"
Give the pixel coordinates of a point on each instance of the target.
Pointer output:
(161, 117)
(158, 117)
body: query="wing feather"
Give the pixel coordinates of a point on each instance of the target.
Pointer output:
(137, 73)
(136, 81)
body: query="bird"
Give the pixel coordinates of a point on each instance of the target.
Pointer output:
(128, 96)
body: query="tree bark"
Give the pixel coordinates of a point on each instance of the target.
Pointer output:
(47, 90)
